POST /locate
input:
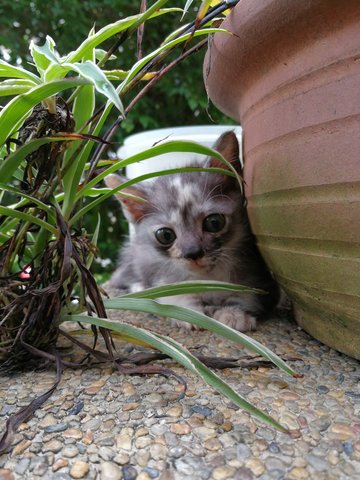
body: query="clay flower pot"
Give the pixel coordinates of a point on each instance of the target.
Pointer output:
(291, 77)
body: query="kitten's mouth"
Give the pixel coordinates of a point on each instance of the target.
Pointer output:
(199, 264)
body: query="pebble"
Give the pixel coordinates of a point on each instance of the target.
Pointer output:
(70, 451)
(20, 448)
(52, 446)
(318, 463)
(110, 471)
(342, 431)
(256, 466)
(79, 469)
(129, 472)
(6, 474)
(59, 427)
(180, 428)
(60, 463)
(223, 472)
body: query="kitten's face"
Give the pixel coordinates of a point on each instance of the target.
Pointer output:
(192, 219)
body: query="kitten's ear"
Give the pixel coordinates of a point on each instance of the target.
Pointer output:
(228, 146)
(134, 208)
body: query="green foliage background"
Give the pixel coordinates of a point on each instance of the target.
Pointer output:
(178, 99)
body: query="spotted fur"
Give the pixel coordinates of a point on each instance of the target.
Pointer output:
(185, 204)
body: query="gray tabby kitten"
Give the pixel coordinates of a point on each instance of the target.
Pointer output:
(194, 226)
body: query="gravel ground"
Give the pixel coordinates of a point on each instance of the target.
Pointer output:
(100, 424)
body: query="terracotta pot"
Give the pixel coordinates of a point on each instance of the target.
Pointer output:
(291, 77)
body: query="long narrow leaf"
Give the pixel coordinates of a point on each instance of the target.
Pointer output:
(114, 28)
(9, 71)
(182, 356)
(200, 320)
(183, 288)
(167, 46)
(9, 212)
(165, 147)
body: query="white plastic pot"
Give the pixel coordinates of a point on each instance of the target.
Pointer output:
(206, 135)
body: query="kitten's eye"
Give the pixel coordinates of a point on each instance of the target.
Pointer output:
(214, 223)
(165, 236)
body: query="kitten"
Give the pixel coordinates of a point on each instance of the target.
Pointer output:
(194, 226)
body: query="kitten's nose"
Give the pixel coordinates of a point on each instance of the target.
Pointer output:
(194, 253)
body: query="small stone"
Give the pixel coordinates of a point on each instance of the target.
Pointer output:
(6, 474)
(121, 458)
(22, 466)
(322, 389)
(152, 472)
(128, 407)
(298, 473)
(342, 431)
(318, 463)
(286, 395)
(52, 446)
(60, 463)
(128, 389)
(110, 471)
(256, 466)
(143, 476)
(59, 427)
(175, 411)
(180, 428)
(213, 444)
(242, 451)
(142, 457)
(289, 421)
(70, 451)
(205, 411)
(274, 447)
(141, 432)
(158, 452)
(88, 438)
(73, 433)
(123, 441)
(129, 472)
(79, 469)
(227, 426)
(143, 442)
(223, 472)
(333, 457)
(20, 448)
(95, 387)
(48, 420)
(273, 463)
(204, 433)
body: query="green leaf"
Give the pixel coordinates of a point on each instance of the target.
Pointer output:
(19, 107)
(9, 71)
(161, 148)
(9, 212)
(21, 194)
(167, 46)
(114, 28)
(94, 74)
(44, 55)
(176, 351)
(182, 288)
(198, 319)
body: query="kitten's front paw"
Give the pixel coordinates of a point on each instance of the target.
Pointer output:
(236, 319)
(185, 326)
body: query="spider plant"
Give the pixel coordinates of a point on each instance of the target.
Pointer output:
(54, 130)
